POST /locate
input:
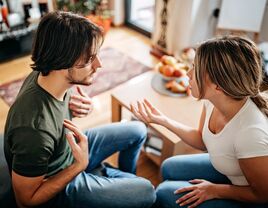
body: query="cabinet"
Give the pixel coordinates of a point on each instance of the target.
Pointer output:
(17, 42)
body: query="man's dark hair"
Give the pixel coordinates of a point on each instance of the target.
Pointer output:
(62, 38)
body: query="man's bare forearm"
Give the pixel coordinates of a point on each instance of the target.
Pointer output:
(53, 185)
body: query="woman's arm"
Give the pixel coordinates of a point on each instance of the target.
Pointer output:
(147, 113)
(189, 135)
(256, 172)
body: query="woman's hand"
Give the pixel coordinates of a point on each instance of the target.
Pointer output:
(147, 113)
(202, 190)
(78, 143)
(81, 105)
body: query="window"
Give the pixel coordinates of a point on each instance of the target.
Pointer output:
(140, 15)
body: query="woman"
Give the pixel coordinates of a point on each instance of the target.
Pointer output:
(233, 128)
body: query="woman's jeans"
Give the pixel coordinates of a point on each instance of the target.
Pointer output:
(178, 170)
(117, 187)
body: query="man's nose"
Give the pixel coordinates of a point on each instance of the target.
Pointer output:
(97, 63)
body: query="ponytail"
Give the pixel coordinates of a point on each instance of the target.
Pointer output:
(261, 102)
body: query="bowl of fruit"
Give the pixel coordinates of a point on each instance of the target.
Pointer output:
(173, 74)
(171, 69)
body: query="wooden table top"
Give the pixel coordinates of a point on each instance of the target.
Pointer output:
(186, 110)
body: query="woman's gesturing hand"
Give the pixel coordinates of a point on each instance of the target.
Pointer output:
(147, 113)
(78, 143)
(202, 190)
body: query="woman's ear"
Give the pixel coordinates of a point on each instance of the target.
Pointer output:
(218, 88)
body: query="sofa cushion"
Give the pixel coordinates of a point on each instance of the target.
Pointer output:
(7, 199)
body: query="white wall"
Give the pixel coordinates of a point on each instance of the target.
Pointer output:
(189, 22)
(192, 21)
(203, 22)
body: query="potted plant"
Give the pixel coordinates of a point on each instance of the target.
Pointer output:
(95, 10)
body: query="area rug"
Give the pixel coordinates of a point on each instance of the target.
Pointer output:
(117, 68)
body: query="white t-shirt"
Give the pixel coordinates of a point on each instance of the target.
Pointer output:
(244, 136)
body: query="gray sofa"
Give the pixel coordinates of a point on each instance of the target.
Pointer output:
(7, 199)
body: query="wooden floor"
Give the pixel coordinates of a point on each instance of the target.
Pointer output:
(123, 39)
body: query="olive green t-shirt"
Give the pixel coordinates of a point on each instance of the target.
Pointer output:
(35, 141)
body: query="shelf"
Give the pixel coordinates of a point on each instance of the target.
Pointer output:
(156, 159)
(16, 33)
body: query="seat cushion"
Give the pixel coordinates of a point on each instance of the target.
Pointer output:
(7, 198)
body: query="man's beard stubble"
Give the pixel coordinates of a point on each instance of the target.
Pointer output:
(72, 81)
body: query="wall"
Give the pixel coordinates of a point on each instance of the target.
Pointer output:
(203, 22)
(192, 21)
(189, 22)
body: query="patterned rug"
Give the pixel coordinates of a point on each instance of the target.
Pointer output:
(117, 68)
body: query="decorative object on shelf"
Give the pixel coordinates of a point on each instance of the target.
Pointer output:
(19, 32)
(4, 14)
(14, 20)
(96, 10)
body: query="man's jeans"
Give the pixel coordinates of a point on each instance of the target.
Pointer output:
(178, 170)
(120, 187)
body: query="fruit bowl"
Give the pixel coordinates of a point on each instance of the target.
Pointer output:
(169, 78)
(173, 74)
(170, 69)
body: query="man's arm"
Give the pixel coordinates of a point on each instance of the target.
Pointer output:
(32, 191)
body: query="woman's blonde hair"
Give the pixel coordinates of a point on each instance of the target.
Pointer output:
(234, 64)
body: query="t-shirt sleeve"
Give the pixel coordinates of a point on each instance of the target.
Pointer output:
(252, 142)
(31, 151)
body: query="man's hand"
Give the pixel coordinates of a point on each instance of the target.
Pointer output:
(33, 191)
(81, 105)
(202, 190)
(79, 144)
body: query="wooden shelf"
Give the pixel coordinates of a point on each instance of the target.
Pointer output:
(156, 159)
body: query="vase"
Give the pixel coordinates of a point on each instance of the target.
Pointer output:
(104, 23)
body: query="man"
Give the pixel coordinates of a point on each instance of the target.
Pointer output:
(52, 163)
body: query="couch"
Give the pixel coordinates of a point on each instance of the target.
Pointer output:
(7, 199)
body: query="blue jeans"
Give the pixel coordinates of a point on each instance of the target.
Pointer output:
(178, 170)
(118, 187)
